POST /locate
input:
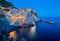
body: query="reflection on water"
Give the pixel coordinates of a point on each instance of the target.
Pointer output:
(44, 32)
(32, 30)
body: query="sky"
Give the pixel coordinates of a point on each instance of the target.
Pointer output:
(44, 8)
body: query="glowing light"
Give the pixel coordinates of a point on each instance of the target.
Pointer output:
(32, 30)
(19, 16)
(22, 19)
(12, 34)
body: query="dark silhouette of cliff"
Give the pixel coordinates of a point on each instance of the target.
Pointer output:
(4, 3)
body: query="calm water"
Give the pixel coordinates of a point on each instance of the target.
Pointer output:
(49, 32)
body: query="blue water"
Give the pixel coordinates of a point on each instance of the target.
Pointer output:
(49, 32)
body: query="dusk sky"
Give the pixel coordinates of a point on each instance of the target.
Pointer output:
(44, 8)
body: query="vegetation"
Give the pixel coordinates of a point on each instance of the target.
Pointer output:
(4, 3)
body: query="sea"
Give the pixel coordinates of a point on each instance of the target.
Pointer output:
(48, 32)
